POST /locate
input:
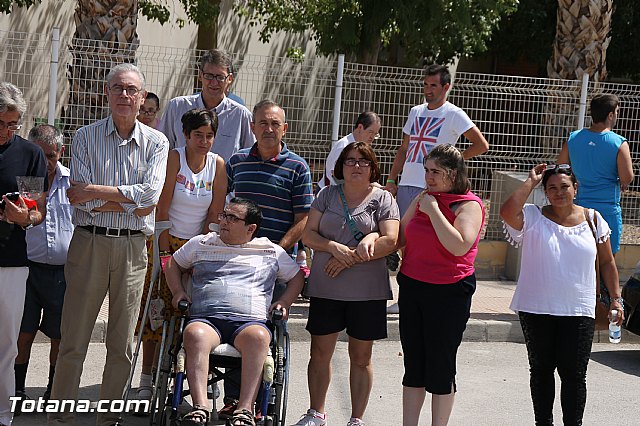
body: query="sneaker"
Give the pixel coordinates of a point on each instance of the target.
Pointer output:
(312, 418)
(355, 422)
(228, 409)
(144, 393)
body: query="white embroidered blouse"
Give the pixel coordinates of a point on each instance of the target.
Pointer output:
(557, 269)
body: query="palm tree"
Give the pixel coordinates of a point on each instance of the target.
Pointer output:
(105, 36)
(582, 37)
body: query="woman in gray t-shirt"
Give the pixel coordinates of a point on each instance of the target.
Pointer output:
(351, 228)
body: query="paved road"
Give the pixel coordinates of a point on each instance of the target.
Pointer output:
(492, 383)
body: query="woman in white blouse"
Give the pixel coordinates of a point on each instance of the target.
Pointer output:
(556, 293)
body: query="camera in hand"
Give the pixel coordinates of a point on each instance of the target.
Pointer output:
(12, 196)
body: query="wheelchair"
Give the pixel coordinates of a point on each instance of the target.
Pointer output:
(169, 393)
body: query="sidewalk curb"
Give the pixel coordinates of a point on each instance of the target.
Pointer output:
(477, 331)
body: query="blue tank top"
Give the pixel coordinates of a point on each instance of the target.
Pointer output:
(594, 162)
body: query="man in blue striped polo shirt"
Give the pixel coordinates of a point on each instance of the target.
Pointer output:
(274, 177)
(279, 181)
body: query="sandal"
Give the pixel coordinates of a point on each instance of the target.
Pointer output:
(243, 418)
(198, 416)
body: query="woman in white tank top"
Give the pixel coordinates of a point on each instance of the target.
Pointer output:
(194, 193)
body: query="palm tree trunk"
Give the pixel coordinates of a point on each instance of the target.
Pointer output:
(105, 36)
(582, 37)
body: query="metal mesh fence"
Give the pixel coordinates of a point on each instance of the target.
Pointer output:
(525, 120)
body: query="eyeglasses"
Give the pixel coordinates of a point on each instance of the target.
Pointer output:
(148, 111)
(231, 218)
(11, 127)
(557, 167)
(376, 136)
(119, 90)
(360, 162)
(218, 77)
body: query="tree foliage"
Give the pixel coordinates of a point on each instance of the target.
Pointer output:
(198, 11)
(432, 30)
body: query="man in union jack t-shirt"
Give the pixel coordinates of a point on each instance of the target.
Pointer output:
(432, 123)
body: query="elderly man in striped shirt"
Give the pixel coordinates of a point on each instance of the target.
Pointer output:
(117, 173)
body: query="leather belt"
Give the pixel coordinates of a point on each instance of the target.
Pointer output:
(110, 232)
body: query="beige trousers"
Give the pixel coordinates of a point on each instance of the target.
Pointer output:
(98, 264)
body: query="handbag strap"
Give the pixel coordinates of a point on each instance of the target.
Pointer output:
(593, 232)
(357, 234)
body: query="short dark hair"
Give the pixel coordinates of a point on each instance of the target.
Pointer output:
(253, 215)
(367, 118)
(558, 171)
(450, 158)
(367, 152)
(196, 118)
(265, 103)
(154, 97)
(216, 57)
(441, 70)
(602, 105)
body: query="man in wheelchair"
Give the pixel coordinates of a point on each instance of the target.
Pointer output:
(233, 277)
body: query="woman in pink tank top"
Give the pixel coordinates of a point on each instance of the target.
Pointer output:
(440, 233)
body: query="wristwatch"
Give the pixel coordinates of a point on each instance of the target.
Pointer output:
(30, 225)
(620, 300)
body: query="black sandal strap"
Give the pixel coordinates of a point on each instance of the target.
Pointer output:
(199, 415)
(245, 416)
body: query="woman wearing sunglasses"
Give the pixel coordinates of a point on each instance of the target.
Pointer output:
(351, 227)
(556, 293)
(193, 196)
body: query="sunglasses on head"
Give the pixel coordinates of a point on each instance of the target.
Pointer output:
(557, 167)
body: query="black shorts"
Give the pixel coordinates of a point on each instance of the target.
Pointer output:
(432, 320)
(228, 328)
(364, 320)
(44, 297)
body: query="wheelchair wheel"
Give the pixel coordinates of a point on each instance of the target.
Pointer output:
(159, 406)
(281, 381)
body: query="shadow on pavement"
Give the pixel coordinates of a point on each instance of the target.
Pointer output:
(624, 361)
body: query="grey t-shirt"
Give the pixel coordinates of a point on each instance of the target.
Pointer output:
(363, 281)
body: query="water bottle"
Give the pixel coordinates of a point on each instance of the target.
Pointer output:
(614, 330)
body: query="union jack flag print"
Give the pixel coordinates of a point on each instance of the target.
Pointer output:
(424, 136)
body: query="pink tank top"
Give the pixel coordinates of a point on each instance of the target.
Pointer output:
(425, 258)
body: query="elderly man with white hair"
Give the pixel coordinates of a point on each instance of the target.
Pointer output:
(18, 157)
(117, 174)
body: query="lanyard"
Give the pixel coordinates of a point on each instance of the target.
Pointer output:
(352, 225)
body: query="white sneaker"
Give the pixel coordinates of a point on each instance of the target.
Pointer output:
(312, 418)
(355, 422)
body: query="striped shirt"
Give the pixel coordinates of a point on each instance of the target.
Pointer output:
(136, 166)
(281, 186)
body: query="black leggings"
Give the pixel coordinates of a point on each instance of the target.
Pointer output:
(563, 343)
